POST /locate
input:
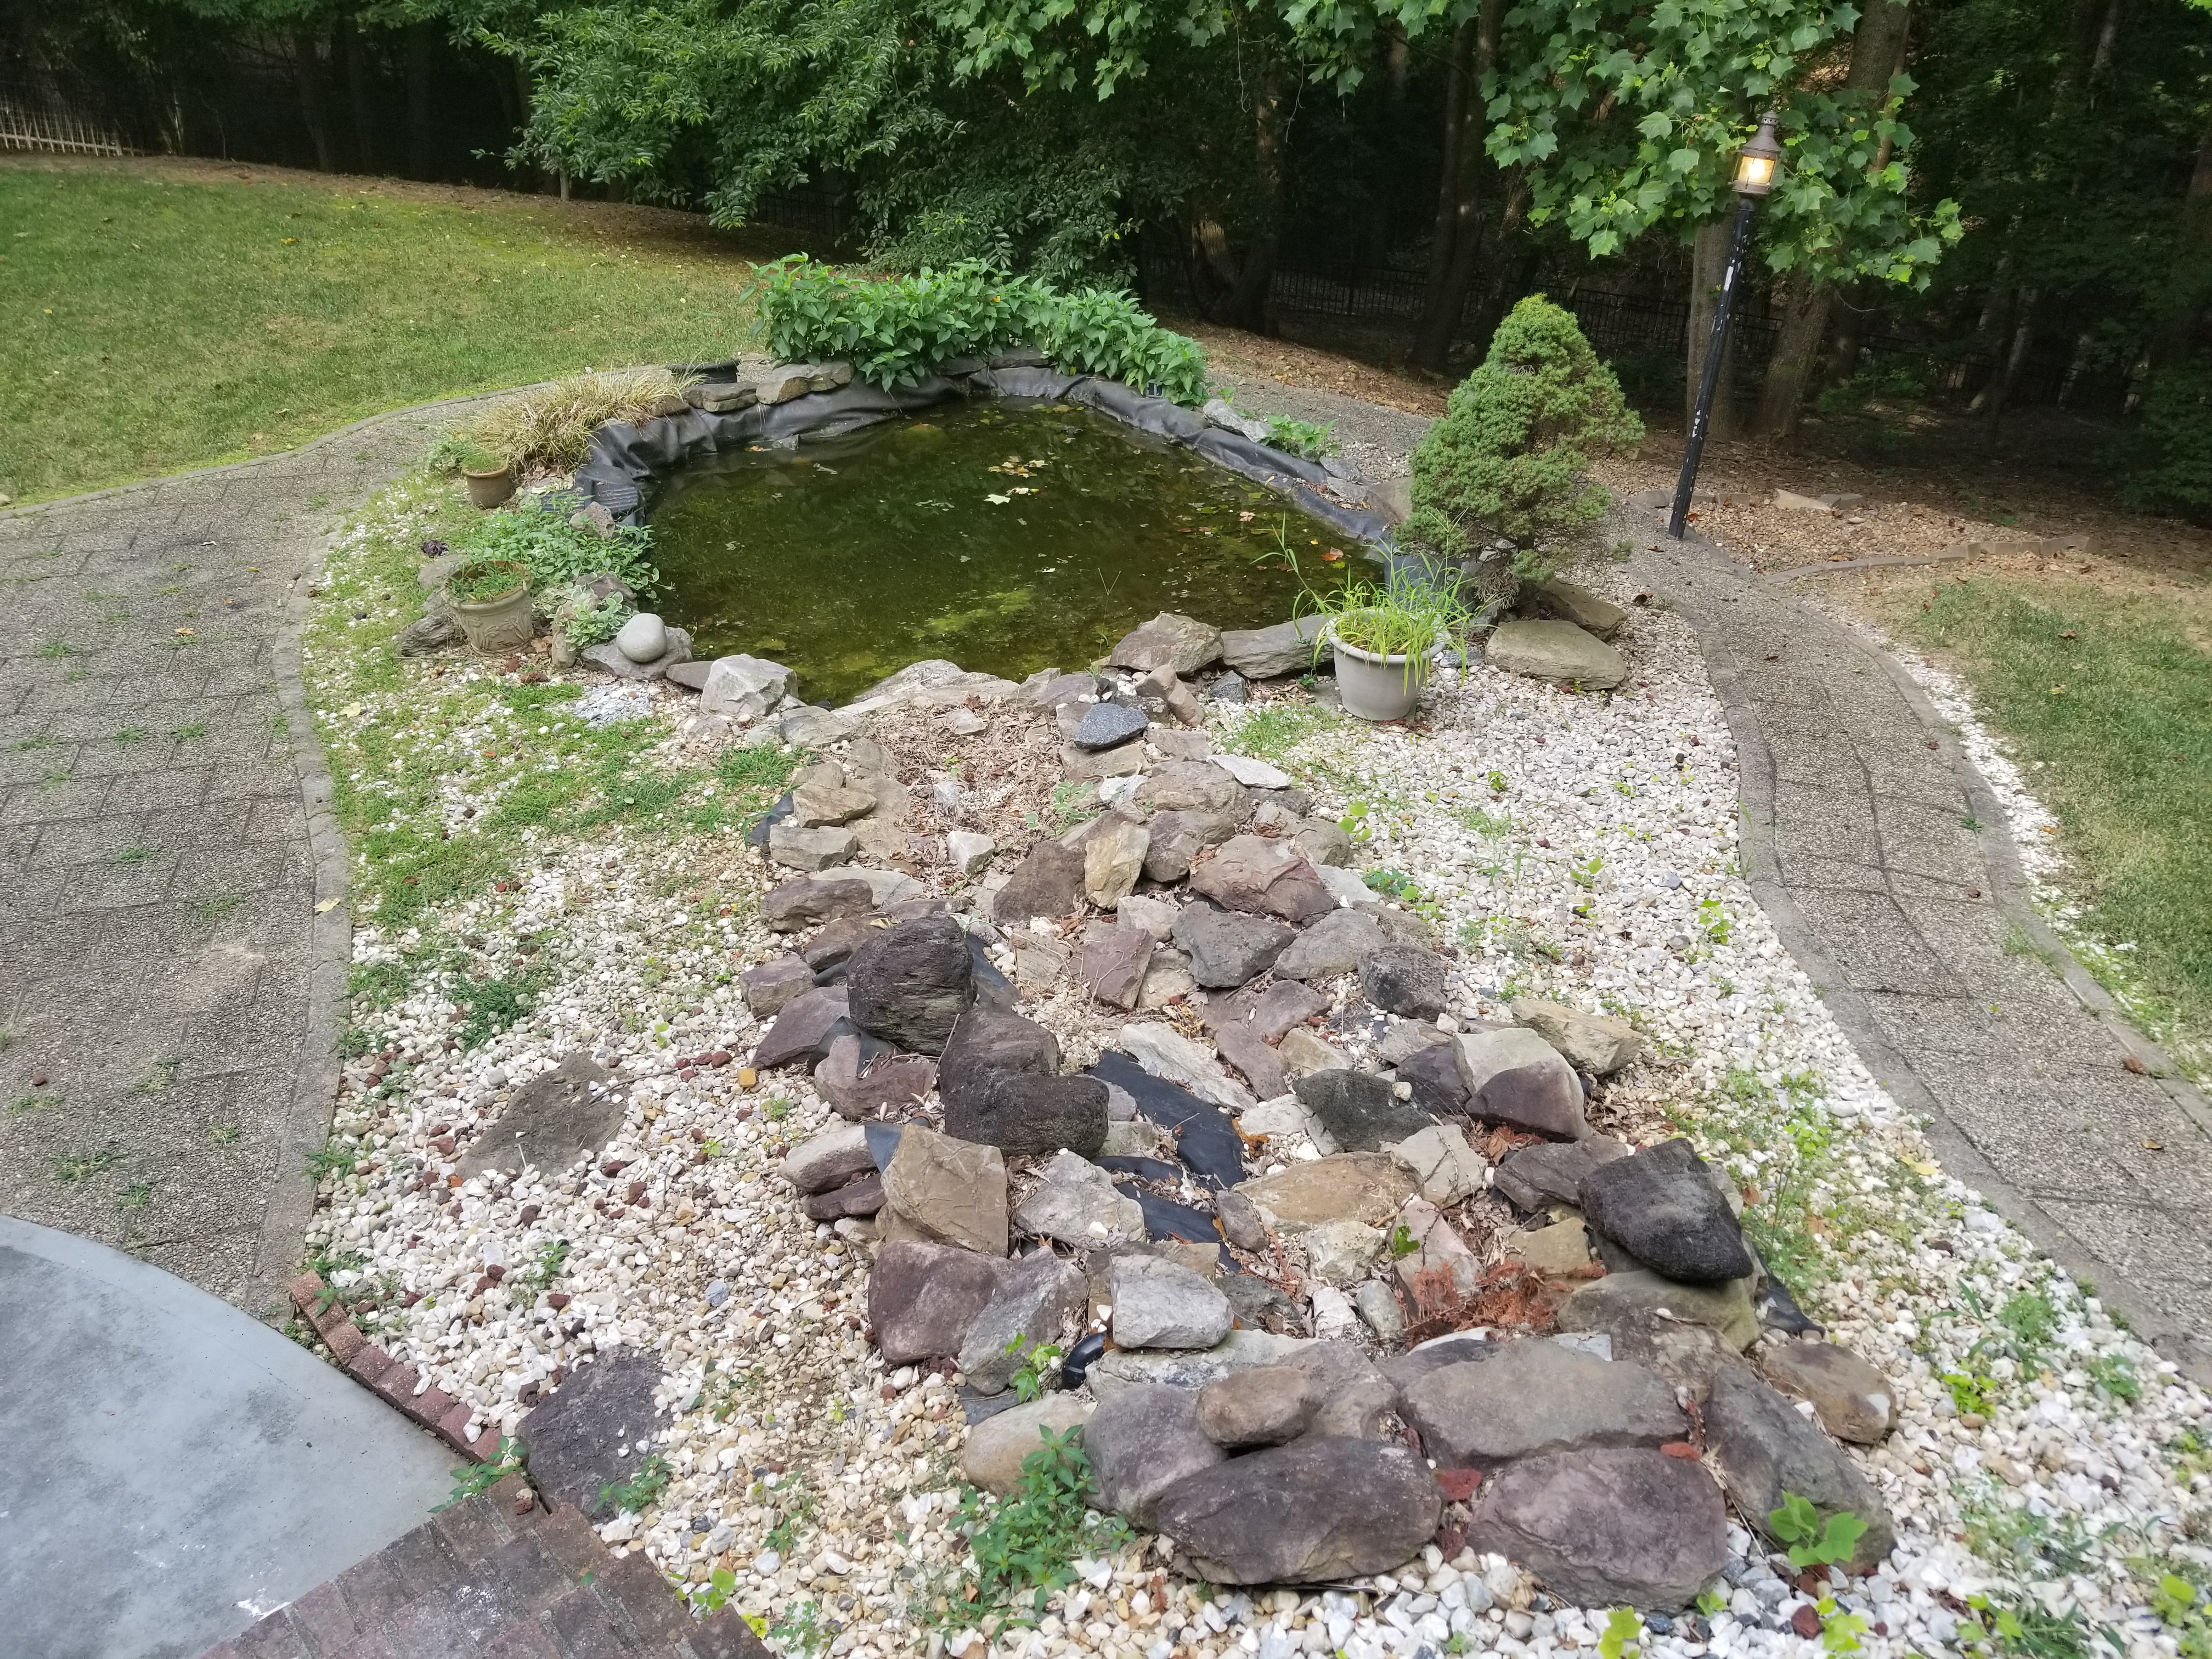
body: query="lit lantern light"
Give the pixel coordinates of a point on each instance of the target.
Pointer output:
(1756, 165)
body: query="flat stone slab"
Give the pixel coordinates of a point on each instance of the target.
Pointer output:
(1555, 651)
(588, 1433)
(175, 1469)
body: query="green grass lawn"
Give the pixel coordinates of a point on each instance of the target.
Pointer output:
(158, 316)
(2106, 699)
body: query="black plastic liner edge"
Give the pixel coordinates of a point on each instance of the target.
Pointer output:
(625, 457)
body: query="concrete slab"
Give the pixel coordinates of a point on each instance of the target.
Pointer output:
(174, 1468)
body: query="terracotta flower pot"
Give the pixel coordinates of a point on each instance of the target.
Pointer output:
(490, 489)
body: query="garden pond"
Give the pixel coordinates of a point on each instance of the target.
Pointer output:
(1007, 536)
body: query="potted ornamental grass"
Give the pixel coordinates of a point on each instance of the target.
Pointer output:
(1385, 637)
(490, 600)
(490, 476)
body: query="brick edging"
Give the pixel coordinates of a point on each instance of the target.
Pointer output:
(398, 1384)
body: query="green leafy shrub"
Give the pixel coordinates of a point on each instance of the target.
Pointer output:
(585, 622)
(2171, 444)
(1306, 438)
(1506, 462)
(555, 553)
(896, 331)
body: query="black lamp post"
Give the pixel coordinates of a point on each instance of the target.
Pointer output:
(1755, 167)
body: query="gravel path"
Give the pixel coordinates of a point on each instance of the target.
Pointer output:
(170, 983)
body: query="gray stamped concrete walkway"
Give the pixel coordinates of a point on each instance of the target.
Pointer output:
(170, 998)
(1881, 854)
(1911, 922)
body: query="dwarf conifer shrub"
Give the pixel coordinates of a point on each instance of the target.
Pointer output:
(1506, 462)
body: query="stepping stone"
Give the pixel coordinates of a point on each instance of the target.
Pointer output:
(1855, 1401)
(554, 1120)
(594, 1430)
(1037, 1296)
(1158, 1304)
(1369, 1188)
(1076, 1204)
(1168, 640)
(1104, 725)
(1555, 651)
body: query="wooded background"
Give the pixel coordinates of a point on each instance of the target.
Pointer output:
(1987, 204)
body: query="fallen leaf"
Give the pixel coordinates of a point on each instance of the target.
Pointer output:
(326, 907)
(2136, 1065)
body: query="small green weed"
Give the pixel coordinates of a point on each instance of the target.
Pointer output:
(189, 730)
(1038, 1367)
(1402, 1241)
(796, 1500)
(213, 909)
(225, 1134)
(131, 734)
(73, 1167)
(1029, 1540)
(2116, 1375)
(1623, 1636)
(1713, 921)
(470, 1479)
(801, 1630)
(331, 1159)
(1394, 885)
(722, 1391)
(552, 1258)
(1797, 1524)
(709, 1597)
(135, 854)
(640, 1489)
(1304, 438)
(136, 1196)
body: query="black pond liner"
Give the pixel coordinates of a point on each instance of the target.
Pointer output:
(627, 459)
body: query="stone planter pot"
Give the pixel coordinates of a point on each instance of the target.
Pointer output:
(1378, 688)
(497, 626)
(490, 489)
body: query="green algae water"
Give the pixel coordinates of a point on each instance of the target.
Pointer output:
(1008, 537)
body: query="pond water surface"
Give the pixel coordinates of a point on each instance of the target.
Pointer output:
(1008, 537)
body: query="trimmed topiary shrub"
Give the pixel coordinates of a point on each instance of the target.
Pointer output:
(1506, 462)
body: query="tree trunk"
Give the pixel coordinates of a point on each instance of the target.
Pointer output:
(360, 95)
(1998, 392)
(1708, 266)
(1512, 269)
(1397, 62)
(1457, 247)
(308, 72)
(422, 44)
(2192, 267)
(1877, 54)
(1805, 310)
(1248, 303)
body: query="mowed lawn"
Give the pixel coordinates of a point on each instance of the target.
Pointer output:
(160, 316)
(2106, 698)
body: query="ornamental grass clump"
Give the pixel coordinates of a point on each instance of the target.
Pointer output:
(1506, 462)
(548, 428)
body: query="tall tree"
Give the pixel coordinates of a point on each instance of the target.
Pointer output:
(1627, 120)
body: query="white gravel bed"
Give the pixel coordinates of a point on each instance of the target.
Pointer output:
(1602, 873)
